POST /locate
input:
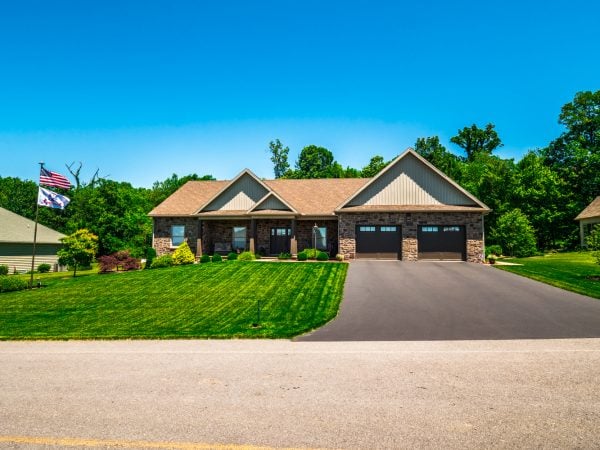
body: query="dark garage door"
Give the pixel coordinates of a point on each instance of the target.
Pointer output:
(378, 241)
(442, 242)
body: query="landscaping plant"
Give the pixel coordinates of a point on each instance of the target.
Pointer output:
(79, 249)
(3, 269)
(232, 256)
(44, 268)
(322, 256)
(205, 258)
(246, 256)
(183, 255)
(284, 255)
(217, 258)
(162, 261)
(302, 256)
(9, 284)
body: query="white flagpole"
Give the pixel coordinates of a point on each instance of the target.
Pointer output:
(37, 208)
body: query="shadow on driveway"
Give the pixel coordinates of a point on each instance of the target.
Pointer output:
(408, 301)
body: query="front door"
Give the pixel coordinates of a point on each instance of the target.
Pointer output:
(280, 240)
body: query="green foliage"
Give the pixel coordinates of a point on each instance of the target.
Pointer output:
(205, 258)
(284, 255)
(311, 253)
(339, 257)
(44, 268)
(474, 141)
(302, 256)
(232, 256)
(246, 256)
(79, 249)
(493, 250)
(200, 301)
(150, 255)
(183, 255)
(596, 256)
(217, 258)
(316, 162)
(279, 158)
(3, 269)
(593, 239)
(162, 189)
(12, 283)
(162, 261)
(376, 165)
(322, 256)
(434, 152)
(515, 234)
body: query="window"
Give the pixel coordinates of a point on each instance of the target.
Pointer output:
(321, 238)
(281, 231)
(389, 229)
(429, 229)
(452, 229)
(366, 228)
(239, 238)
(177, 235)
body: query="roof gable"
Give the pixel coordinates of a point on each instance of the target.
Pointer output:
(592, 210)
(411, 180)
(273, 202)
(241, 194)
(188, 198)
(18, 229)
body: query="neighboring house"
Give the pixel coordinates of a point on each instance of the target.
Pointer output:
(409, 211)
(587, 218)
(16, 242)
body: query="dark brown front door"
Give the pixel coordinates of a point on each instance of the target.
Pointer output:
(442, 242)
(378, 241)
(280, 240)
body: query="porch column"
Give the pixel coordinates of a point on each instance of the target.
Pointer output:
(252, 235)
(582, 233)
(293, 240)
(199, 239)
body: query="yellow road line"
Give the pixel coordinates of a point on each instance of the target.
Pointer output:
(118, 443)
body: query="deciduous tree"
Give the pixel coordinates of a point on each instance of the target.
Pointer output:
(79, 249)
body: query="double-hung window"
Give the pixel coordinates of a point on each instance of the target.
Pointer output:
(321, 238)
(239, 238)
(177, 235)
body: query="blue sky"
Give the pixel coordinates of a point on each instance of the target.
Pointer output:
(141, 90)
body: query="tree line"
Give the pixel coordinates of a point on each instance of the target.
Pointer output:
(533, 200)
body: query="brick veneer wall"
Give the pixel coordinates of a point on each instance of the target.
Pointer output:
(305, 238)
(408, 222)
(162, 233)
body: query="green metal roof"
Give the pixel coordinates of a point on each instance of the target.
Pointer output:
(16, 228)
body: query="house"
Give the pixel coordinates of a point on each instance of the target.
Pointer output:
(16, 242)
(587, 218)
(409, 211)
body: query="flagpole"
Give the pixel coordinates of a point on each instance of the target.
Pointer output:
(37, 208)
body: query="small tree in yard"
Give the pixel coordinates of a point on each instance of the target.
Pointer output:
(515, 234)
(78, 249)
(593, 242)
(183, 255)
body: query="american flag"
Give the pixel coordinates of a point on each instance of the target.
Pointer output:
(48, 178)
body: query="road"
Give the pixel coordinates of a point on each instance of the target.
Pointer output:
(240, 394)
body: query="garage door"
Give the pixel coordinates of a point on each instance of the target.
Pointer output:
(442, 242)
(378, 241)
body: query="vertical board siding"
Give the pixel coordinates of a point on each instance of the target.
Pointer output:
(410, 182)
(272, 202)
(241, 196)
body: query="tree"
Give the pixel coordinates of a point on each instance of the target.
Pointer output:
(316, 162)
(279, 158)
(79, 249)
(514, 234)
(376, 165)
(434, 152)
(473, 140)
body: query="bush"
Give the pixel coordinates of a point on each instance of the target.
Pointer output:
(3, 270)
(284, 255)
(44, 268)
(217, 258)
(246, 256)
(121, 259)
(322, 256)
(515, 234)
(593, 239)
(493, 250)
(311, 253)
(107, 263)
(150, 255)
(339, 257)
(302, 256)
(232, 256)
(183, 255)
(9, 284)
(205, 258)
(162, 261)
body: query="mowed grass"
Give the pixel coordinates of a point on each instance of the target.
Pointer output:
(216, 300)
(570, 271)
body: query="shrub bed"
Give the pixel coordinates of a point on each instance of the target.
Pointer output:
(10, 284)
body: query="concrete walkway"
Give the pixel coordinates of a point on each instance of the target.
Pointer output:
(395, 300)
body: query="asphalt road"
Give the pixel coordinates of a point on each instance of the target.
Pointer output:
(395, 300)
(238, 394)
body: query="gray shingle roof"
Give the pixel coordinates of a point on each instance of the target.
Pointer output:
(18, 229)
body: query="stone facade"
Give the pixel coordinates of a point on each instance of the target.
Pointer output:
(162, 233)
(408, 223)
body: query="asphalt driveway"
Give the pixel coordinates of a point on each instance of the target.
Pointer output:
(395, 300)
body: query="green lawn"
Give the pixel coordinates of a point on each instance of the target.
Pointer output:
(568, 271)
(216, 300)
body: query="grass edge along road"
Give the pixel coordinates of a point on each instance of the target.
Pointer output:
(215, 300)
(568, 270)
